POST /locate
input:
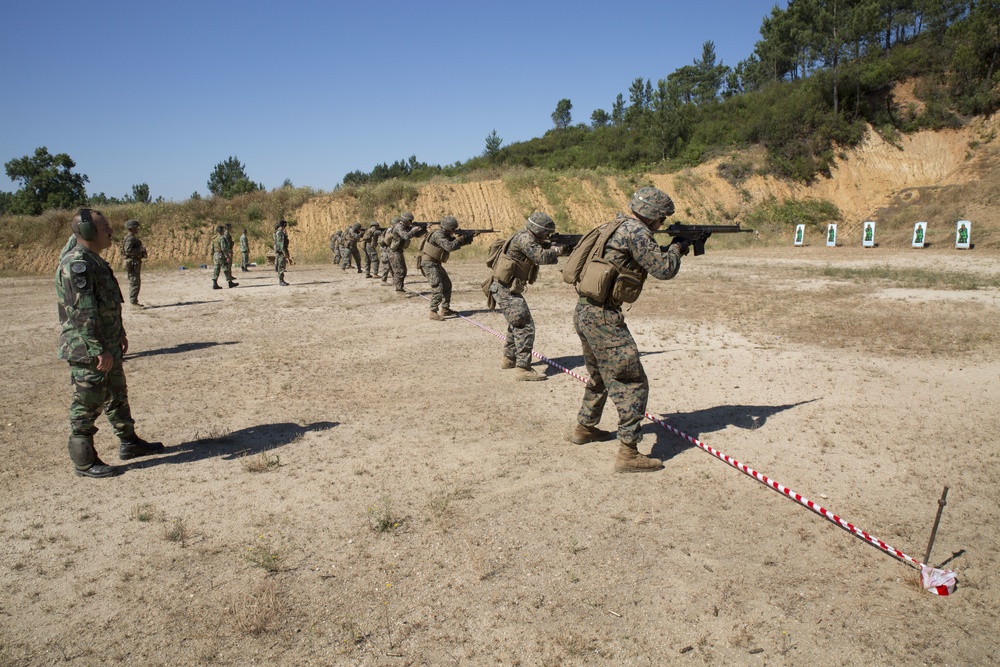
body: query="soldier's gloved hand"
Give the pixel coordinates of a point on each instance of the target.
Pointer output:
(420, 231)
(680, 246)
(564, 250)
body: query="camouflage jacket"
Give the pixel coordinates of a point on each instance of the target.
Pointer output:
(351, 238)
(229, 242)
(633, 247)
(90, 307)
(132, 248)
(281, 243)
(523, 246)
(402, 234)
(370, 238)
(244, 243)
(221, 246)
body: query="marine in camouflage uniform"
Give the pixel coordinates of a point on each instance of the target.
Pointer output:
(383, 251)
(229, 238)
(93, 341)
(244, 252)
(369, 245)
(437, 248)
(609, 351)
(221, 249)
(525, 248)
(133, 252)
(350, 248)
(336, 245)
(281, 255)
(402, 233)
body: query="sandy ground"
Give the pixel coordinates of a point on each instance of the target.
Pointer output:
(422, 508)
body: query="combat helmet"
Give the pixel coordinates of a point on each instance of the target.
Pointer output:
(356, 226)
(449, 223)
(651, 204)
(541, 225)
(406, 218)
(374, 223)
(132, 224)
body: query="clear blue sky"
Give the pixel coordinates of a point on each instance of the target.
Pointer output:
(160, 92)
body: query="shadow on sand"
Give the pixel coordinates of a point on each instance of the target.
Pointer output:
(176, 349)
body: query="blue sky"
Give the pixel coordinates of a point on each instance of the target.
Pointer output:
(159, 93)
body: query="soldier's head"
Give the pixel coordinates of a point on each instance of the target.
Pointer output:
(374, 223)
(244, 232)
(406, 218)
(280, 224)
(394, 221)
(356, 227)
(651, 205)
(449, 223)
(541, 225)
(229, 225)
(91, 229)
(132, 226)
(219, 229)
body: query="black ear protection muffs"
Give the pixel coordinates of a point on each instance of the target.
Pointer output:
(86, 227)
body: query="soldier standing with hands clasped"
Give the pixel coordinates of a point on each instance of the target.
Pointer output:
(625, 252)
(133, 252)
(93, 341)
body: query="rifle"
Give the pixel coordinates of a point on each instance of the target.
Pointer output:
(696, 235)
(567, 240)
(469, 234)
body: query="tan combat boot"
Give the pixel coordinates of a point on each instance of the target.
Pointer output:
(506, 363)
(437, 316)
(630, 460)
(581, 434)
(448, 312)
(528, 375)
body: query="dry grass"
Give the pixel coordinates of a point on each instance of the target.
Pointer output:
(254, 611)
(259, 462)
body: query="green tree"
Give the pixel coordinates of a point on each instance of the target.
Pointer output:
(140, 194)
(47, 182)
(230, 179)
(493, 143)
(561, 116)
(618, 110)
(599, 118)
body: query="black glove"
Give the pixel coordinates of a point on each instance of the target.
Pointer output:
(682, 245)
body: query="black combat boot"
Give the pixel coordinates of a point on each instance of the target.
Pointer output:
(233, 284)
(98, 470)
(135, 446)
(215, 284)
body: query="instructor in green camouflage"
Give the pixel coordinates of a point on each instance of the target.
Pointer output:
(134, 252)
(609, 351)
(222, 251)
(92, 339)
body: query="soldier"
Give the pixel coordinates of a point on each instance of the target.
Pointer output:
(281, 256)
(434, 253)
(133, 252)
(399, 240)
(369, 245)
(516, 268)
(221, 249)
(93, 341)
(336, 245)
(609, 351)
(229, 238)
(383, 249)
(244, 252)
(351, 237)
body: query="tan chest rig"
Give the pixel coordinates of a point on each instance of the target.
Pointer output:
(507, 270)
(610, 283)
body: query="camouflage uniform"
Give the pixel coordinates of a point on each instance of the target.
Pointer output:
(244, 252)
(383, 251)
(369, 244)
(221, 249)
(523, 247)
(402, 233)
(609, 351)
(434, 269)
(350, 248)
(280, 253)
(335, 244)
(229, 256)
(90, 315)
(133, 252)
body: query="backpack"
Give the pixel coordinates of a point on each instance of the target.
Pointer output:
(584, 250)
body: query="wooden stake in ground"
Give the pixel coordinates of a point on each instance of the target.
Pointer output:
(937, 520)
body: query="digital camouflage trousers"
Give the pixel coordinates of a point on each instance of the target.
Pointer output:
(133, 269)
(371, 262)
(520, 325)
(397, 266)
(440, 283)
(612, 360)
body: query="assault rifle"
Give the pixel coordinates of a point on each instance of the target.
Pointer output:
(696, 235)
(567, 240)
(469, 234)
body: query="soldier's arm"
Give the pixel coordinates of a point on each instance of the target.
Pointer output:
(537, 253)
(81, 307)
(658, 263)
(445, 243)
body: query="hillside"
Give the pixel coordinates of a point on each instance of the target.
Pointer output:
(939, 176)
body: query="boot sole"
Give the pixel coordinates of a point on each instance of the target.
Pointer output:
(628, 470)
(86, 473)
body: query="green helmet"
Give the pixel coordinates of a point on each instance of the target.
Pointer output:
(540, 224)
(132, 224)
(449, 223)
(651, 204)
(406, 218)
(356, 226)
(374, 223)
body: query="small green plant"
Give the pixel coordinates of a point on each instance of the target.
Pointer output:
(264, 554)
(175, 531)
(143, 512)
(381, 517)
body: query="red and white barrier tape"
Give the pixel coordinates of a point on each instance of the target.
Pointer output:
(934, 580)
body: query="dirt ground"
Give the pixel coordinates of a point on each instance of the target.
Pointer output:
(349, 483)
